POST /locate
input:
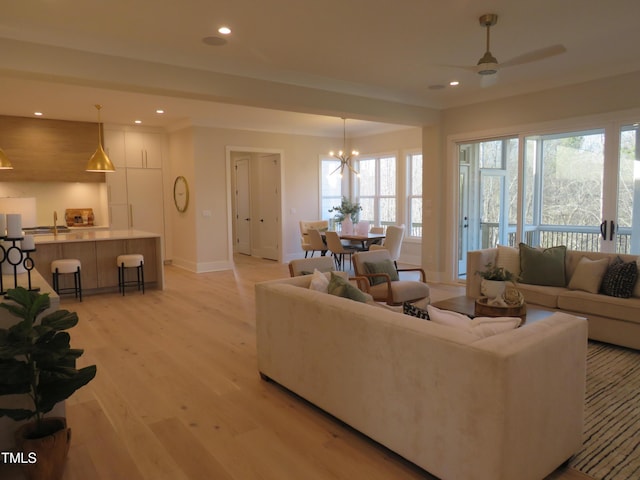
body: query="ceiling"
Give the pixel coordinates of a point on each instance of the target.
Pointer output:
(349, 53)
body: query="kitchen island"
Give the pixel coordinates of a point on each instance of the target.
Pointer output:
(97, 251)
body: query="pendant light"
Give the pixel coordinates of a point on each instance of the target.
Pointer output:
(99, 162)
(5, 163)
(342, 155)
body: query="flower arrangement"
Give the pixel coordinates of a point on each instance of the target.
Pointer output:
(346, 207)
(493, 272)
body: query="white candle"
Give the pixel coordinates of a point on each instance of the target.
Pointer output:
(3, 225)
(14, 225)
(28, 243)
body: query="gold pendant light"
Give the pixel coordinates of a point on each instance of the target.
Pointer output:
(99, 162)
(5, 163)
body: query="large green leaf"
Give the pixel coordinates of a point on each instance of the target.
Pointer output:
(52, 393)
(60, 320)
(17, 414)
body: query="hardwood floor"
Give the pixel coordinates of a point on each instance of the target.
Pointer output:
(178, 396)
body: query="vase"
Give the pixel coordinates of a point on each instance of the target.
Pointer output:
(44, 458)
(347, 226)
(492, 288)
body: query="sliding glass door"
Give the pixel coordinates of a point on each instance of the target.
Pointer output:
(580, 189)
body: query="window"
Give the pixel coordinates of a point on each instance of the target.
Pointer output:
(331, 187)
(377, 190)
(414, 189)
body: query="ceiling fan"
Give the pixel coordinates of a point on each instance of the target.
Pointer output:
(488, 65)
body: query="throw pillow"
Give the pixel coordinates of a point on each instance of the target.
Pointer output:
(481, 327)
(385, 266)
(588, 275)
(447, 317)
(488, 326)
(411, 309)
(542, 267)
(342, 288)
(620, 278)
(319, 281)
(509, 259)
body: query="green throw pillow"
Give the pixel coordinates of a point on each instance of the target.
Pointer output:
(342, 288)
(385, 266)
(542, 267)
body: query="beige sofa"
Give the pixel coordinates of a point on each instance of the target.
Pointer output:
(611, 319)
(504, 407)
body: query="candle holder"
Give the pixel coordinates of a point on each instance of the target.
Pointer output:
(29, 265)
(15, 257)
(3, 257)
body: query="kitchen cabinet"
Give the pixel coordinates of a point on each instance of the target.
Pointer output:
(97, 250)
(134, 190)
(143, 149)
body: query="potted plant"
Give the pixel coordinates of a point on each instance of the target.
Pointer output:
(494, 280)
(38, 364)
(347, 207)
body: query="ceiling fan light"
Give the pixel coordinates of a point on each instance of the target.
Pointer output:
(487, 68)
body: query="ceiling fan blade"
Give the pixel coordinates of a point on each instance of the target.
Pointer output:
(535, 55)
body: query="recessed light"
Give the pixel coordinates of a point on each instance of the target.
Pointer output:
(37, 114)
(137, 122)
(224, 30)
(159, 111)
(454, 83)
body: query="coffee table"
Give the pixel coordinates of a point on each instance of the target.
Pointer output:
(467, 305)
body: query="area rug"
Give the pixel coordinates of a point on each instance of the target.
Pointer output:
(611, 448)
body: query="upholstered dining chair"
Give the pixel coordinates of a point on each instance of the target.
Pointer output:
(336, 247)
(376, 230)
(312, 242)
(385, 283)
(392, 242)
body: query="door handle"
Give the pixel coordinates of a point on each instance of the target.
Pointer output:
(262, 220)
(611, 231)
(247, 219)
(603, 230)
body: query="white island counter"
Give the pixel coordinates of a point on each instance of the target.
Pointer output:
(97, 250)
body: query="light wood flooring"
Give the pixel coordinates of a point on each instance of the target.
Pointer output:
(178, 396)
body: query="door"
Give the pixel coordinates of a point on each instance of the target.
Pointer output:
(463, 220)
(242, 216)
(268, 207)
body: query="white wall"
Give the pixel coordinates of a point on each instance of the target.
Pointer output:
(200, 153)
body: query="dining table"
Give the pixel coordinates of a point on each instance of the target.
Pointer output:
(367, 239)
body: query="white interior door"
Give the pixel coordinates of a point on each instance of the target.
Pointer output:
(269, 206)
(242, 217)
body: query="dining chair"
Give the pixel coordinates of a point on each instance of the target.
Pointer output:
(338, 249)
(315, 243)
(392, 242)
(384, 278)
(376, 230)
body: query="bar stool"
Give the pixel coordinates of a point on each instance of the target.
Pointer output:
(132, 260)
(65, 266)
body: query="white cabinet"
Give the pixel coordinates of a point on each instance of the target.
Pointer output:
(143, 149)
(145, 200)
(134, 190)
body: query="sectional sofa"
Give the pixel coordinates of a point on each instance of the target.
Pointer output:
(497, 408)
(611, 319)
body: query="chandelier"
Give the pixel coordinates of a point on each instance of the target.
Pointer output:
(342, 155)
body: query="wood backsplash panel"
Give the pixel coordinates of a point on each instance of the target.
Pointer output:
(43, 150)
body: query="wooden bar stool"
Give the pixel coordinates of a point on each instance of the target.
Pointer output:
(65, 266)
(132, 260)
